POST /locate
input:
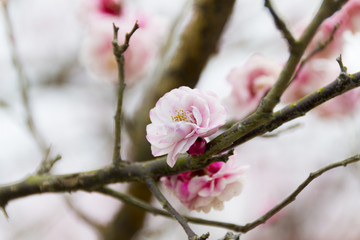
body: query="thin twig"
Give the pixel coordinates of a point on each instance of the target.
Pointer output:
(47, 163)
(289, 199)
(23, 80)
(343, 68)
(151, 184)
(119, 51)
(4, 211)
(321, 46)
(280, 24)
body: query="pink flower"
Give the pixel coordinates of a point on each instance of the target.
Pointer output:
(179, 118)
(250, 83)
(347, 19)
(207, 188)
(314, 75)
(352, 11)
(92, 9)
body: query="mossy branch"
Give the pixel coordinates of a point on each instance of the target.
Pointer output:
(157, 168)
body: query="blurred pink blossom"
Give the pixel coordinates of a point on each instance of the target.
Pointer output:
(208, 188)
(250, 83)
(352, 11)
(95, 9)
(179, 118)
(314, 75)
(96, 53)
(347, 19)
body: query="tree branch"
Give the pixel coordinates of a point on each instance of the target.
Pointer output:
(312, 176)
(23, 80)
(343, 83)
(119, 51)
(157, 168)
(280, 24)
(151, 184)
(321, 46)
(272, 98)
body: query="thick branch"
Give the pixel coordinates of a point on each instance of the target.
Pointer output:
(156, 168)
(342, 84)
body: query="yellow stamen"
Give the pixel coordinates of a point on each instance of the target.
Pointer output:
(180, 116)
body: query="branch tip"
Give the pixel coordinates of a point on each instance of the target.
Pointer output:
(4, 211)
(341, 64)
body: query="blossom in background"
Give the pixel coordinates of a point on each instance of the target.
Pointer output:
(90, 10)
(347, 19)
(96, 52)
(179, 118)
(208, 188)
(249, 83)
(314, 75)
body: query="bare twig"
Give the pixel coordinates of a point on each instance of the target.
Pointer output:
(119, 51)
(47, 163)
(289, 199)
(23, 80)
(151, 184)
(321, 46)
(280, 24)
(343, 68)
(4, 211)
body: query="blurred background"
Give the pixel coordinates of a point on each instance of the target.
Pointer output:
(73, 110)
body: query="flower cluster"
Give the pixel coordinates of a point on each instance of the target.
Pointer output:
(96, 53)
(249, 83)
(179, 118)
(208, 188)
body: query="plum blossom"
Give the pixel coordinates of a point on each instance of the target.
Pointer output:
(314, 75)
(208, 188)
(347, 19)
(250, 83)
(96, 52)
(179, 118)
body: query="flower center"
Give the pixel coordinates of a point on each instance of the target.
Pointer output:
(182, 116)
